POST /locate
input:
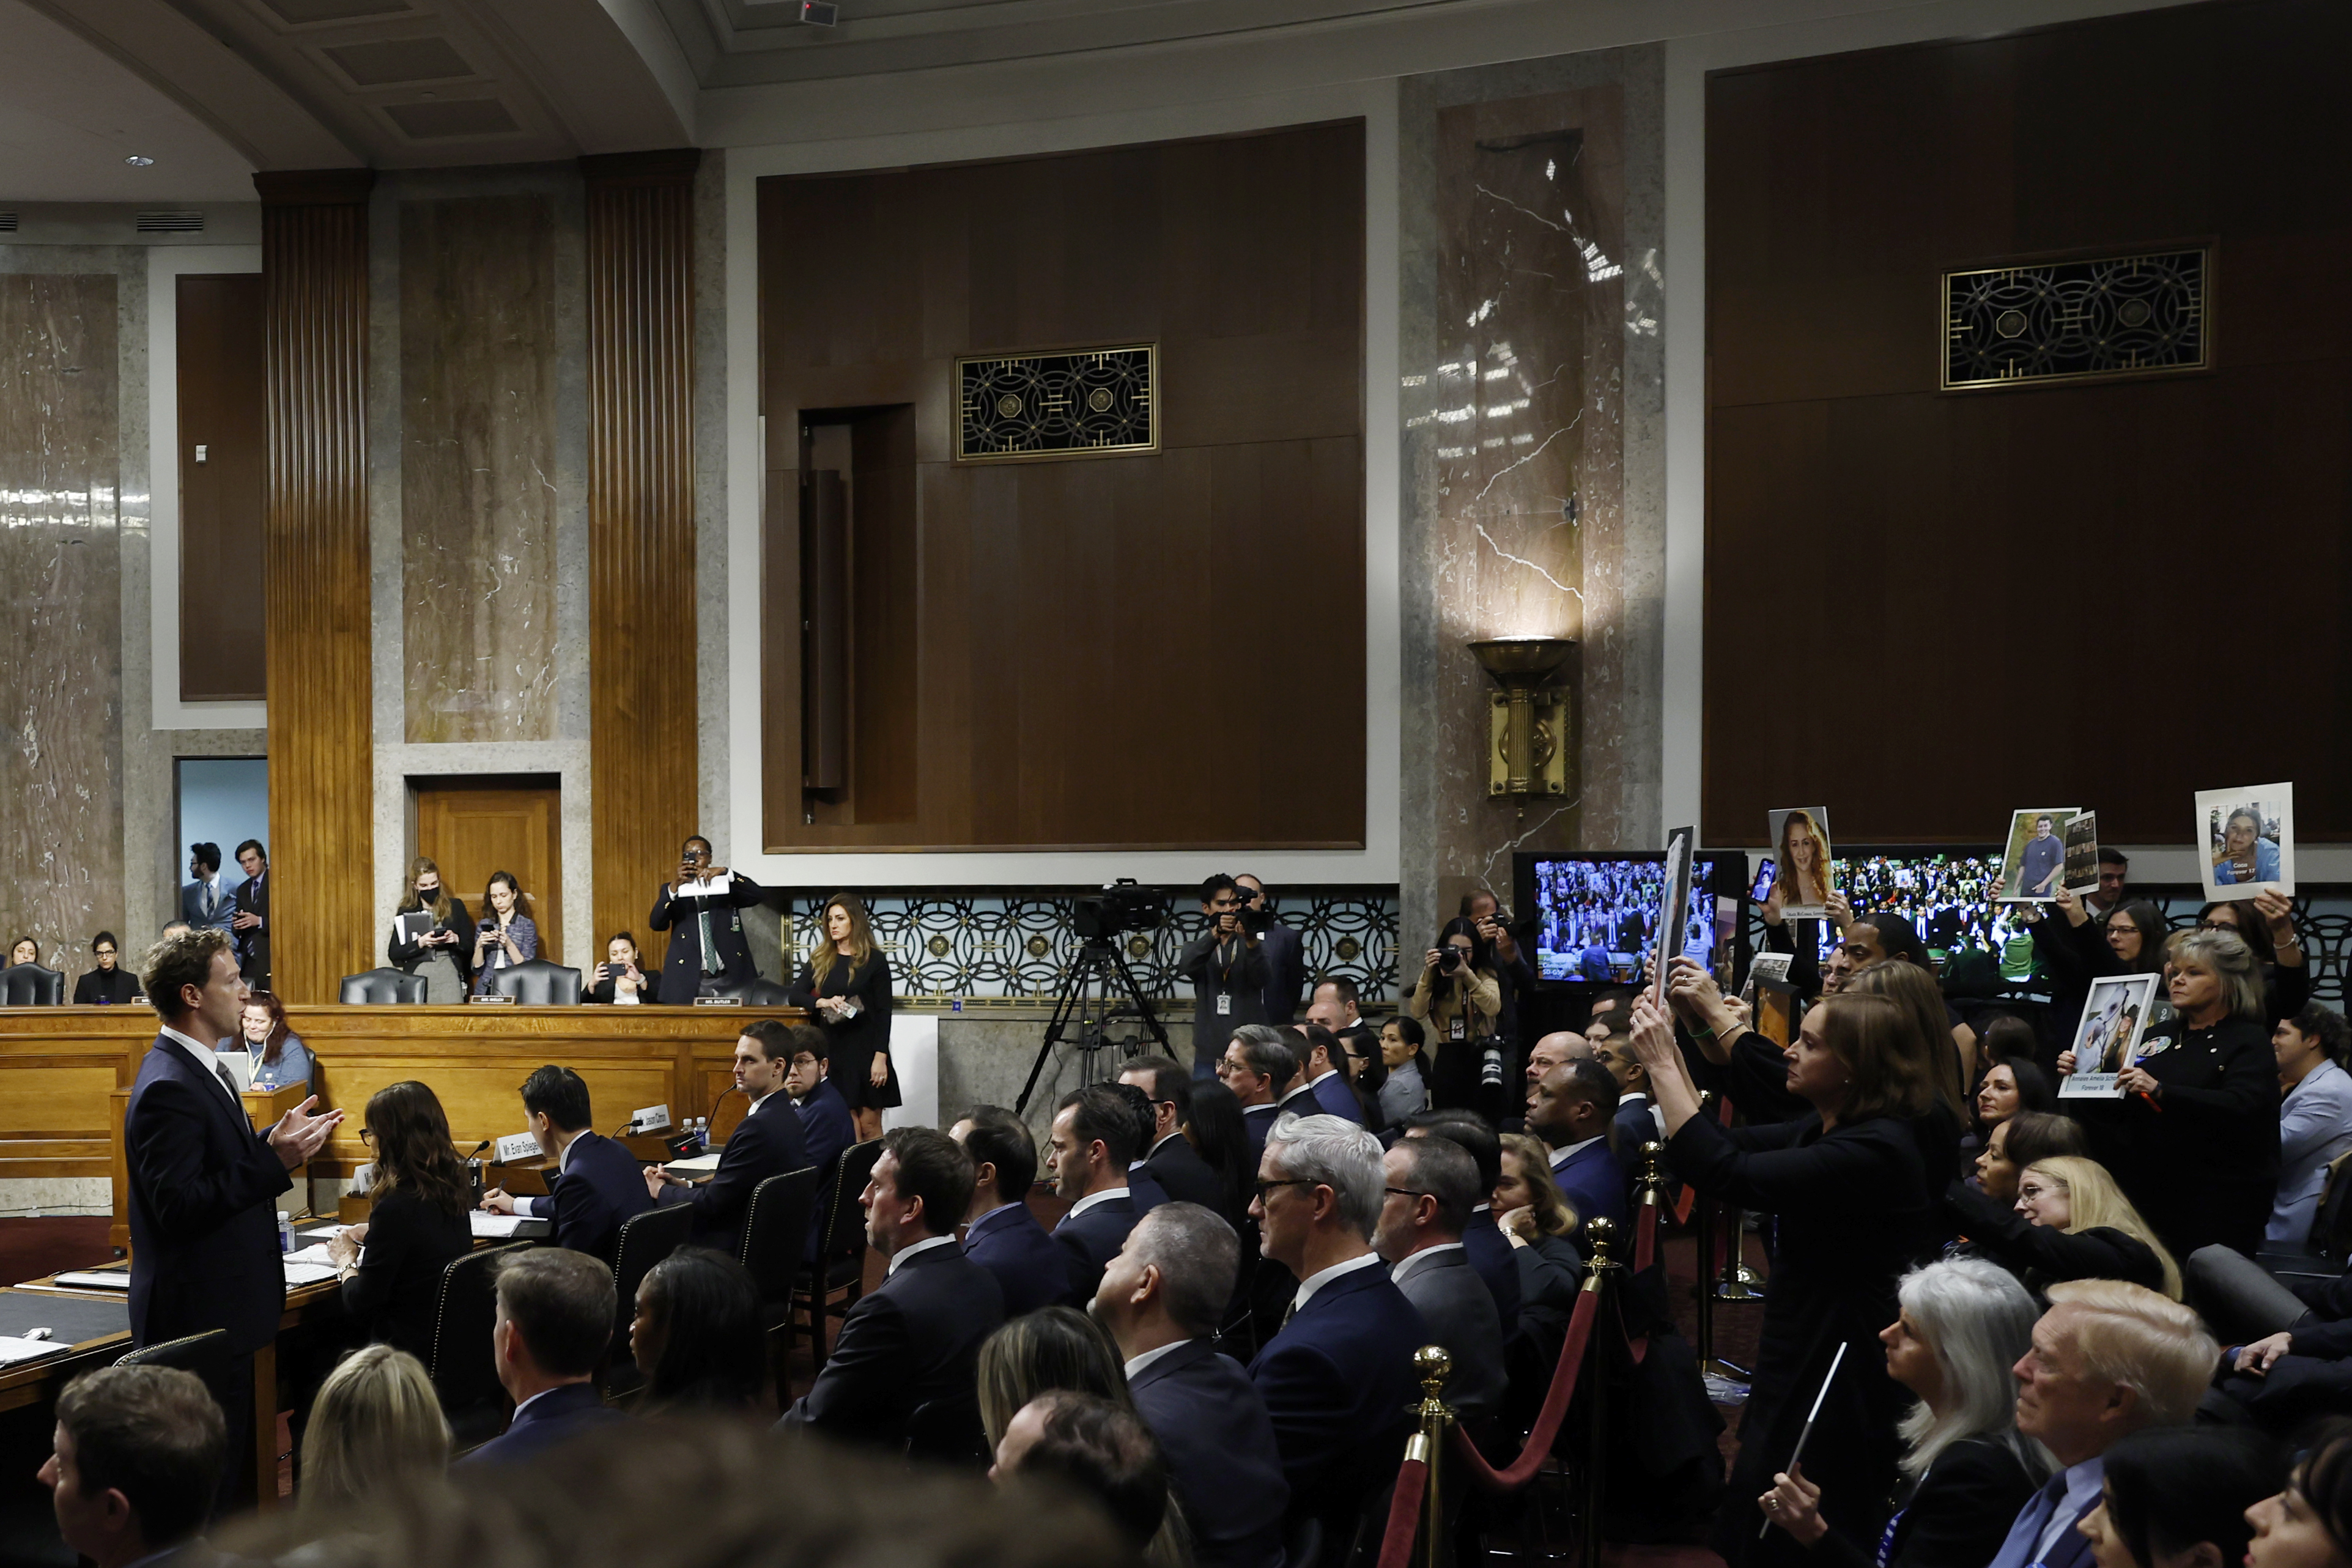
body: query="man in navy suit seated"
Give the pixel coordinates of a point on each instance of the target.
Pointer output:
(1570, 1110)
(826, 1128)
(1092, 1143)
(1326, 1077)
(1488, 1249)
(554, 1318)
(1161, 1299)
(596, 1183)
(137, 1458)
(1001, 1235)
(760, 1147)
(1257, 1067)
(1170, 1156)
(914, 1339)
(1339, 1377)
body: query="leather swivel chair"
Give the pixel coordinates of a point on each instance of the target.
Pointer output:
(30, 986)
(383, 988)
(537, 983)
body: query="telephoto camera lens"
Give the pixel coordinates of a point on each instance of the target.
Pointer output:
(1490, 1068)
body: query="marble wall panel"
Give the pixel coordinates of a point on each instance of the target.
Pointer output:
(60, 638)
(478, 499)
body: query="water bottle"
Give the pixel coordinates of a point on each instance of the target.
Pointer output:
(285, 1231)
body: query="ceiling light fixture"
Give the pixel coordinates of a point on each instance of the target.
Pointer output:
(138, 161)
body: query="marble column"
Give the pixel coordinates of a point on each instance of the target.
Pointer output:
(315, 520)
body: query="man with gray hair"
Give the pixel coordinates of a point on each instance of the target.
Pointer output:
(1161, 1299)
(1431, 1184)
(1258, 1066)
(1339, 1377)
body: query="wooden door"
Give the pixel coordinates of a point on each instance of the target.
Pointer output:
(472, 829)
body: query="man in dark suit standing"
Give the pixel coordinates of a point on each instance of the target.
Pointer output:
(204, 1184)
(1171, 1158)
(916, 1337)
(1092, 1141)
(1432, 1182)
(703, 911)
(204, 899)
(826, 1128)
(1326, 1077)
(1335, 1006)
(1484, 1245)
(760, 1147)
(1338, 1377)
(1286, 957)
(1258, 1067)
(251, 921)
(1000, 1233)
(1571, 1110)
(1161, 1299)
(1226, 966)
(554, 1320)
(597, 1184)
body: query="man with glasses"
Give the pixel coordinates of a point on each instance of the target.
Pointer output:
(1257, 1066)
(1171, 1159)
(109, 985)
(702, 910)
(1338, 1377)
(1431, 1183)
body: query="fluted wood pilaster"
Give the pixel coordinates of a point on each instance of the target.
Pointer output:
(641, 611)
(314, 272)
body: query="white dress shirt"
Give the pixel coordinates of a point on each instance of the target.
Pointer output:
(1091, 1199)
(1322, 1277)
(924, 1245)
(1404, 1266)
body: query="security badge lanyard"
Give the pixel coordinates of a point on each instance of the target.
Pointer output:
(1224, 973)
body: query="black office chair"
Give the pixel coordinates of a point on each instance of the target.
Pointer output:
(644, 1241)
(948, 1432)
(196, 1352)
(537, 983)
(383, 988)
(30, 986)
(464, 1370)
(841, 1257)
(776, 1235)
(757, 991)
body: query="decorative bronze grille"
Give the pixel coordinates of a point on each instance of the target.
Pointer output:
(2076, 321)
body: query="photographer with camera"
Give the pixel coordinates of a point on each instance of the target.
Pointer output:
(1512, 970)
(1285, 956)
(1460, 1001)
(1226, 964)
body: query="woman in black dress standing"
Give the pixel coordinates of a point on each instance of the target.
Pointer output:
(1850, 1187)
(392, 1266)
(846, 987)
(2194, 1141)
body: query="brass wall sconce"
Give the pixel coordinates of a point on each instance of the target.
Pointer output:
(1527, 721)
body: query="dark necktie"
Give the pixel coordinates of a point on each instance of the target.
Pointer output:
(2043, 1509)
(228, 1082)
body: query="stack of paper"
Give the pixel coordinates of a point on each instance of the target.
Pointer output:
(507, 1226)
(13, 1351)
(308, 1273)
(695, 1164)
(96, 1279)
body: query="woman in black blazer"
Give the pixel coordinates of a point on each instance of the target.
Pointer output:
(2194, 1141)
(2069, 1221)
(1966, 1471)
(393, 1264)
(846, 987)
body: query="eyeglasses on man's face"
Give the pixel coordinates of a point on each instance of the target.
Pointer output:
(1265, 1186)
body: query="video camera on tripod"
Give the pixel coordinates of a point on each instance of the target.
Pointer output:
(1098, 984)
(1124, 906)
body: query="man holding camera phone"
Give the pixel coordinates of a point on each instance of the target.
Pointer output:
(699, 911)
(1226, 964)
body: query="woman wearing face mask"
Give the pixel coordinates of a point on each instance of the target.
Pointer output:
(1849, 1186)
(846, 987)
(506, 934)
(2194, 1139)
(427, 935)
(2182, 1498)
(2308, 1524)
(1459, 1001)
(2315, 1120)
(2069, 1222)
(1966, 1471)
(2025, 1138)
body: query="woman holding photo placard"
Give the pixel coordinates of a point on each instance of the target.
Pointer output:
(2194, 1139)
(2268, 927)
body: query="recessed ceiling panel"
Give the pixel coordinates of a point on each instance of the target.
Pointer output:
(391, 61)
(305, 12)
(460, 117)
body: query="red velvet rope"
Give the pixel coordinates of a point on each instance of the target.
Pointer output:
(1404, 1513)
(1645, 1237)
(1555, 1408)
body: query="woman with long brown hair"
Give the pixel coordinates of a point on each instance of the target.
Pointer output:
(392, 1263)
(846, 987)
(279, 1057)
(427, 935)
(1804, 863)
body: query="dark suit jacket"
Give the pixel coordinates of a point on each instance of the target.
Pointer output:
(1960, 1511)
(203, 1210)
(1241, 976)
(1219, 1443)
(1285, 973)
(767, 1142)
(1489, 1251)
(1143, 1189)
(1260, 1120)
(1334, 1097)
(396, 1294)
(1092, 1239)
(913, 1339)
(554, 1418)
(1183, 1175)
(1459, 1312)
(253, 946)
(102, 987)
(681, 976)
(1031, 1270)
(1594, 1185)
(601, 1188)
(826, 1131)
(1337, 1381)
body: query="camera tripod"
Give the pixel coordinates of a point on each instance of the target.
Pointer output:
(1090, 994)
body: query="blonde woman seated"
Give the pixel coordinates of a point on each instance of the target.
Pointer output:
(376, 1437)
(1537, 1220)
(1965, 1469)
(2070, 1222)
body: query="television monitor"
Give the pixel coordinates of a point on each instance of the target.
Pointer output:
(1942, 889)
(1590, 916)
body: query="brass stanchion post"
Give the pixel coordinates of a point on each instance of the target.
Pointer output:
(1428, 1442)
(1602, 1235)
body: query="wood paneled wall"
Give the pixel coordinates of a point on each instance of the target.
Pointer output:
(314, 269)
(1926, 609)
(221, 440)
(1163, 650)
(641, 538)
